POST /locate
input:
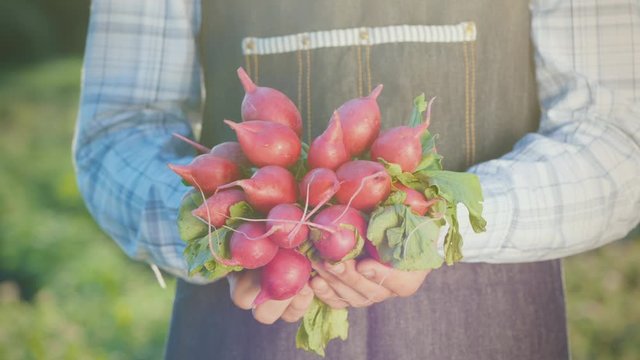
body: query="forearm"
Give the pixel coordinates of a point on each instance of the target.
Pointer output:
(558, 195)
(572, 186)
(136, 88)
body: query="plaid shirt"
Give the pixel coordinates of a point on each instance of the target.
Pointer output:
(568, 188)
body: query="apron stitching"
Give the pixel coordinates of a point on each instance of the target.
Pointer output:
(368, 51)
(467, 105)
(309, 96)
(255, 61)
(247, 64)
(359, 54)
(249, 44)
(299, 60)
(365, 41)
(473, 101)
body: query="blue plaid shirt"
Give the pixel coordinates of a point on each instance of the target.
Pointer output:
(568, 188)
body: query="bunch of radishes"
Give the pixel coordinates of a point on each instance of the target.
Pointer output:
(321, 212)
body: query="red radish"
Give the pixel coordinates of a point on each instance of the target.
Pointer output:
(207, 172)
(284, 276)
(360, 122)
(264, 103)
(402, 145)
(279, 231)
(322, 184)
(268, 187)
(363, 184)
(249, 248)
(231, 150)
(334, 246)
(415, 199)
(328, 150)
(215, 210)
(372, 251)
(267, 143)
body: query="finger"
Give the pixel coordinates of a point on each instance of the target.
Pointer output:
(325, 293)
(346, 272)
(299, 305)
(342, 291)
(270, 311)
(244, 287)
(399, 282)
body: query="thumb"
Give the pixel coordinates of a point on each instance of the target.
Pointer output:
(400, 282)
(244, 287)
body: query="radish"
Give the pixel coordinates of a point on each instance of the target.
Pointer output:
(372, 251)
(328, 150)
(402, 145)
(334, 246)
(207, 172)
(322, 184)
(264, 103)
(360, 122)
(232, 151)
(215, 210)
(249, 248)
(279, 231)
(415, 199)
(283, 277)
(267, 143)
(269, 186)
(229, 150)
(363, 184)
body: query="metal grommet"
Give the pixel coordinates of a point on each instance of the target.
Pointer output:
(364, 34)
(250, 44)
(304, 39)
(470, 28)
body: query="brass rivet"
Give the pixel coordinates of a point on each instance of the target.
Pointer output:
(470, 28)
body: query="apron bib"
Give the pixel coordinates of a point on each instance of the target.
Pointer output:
(476, 57)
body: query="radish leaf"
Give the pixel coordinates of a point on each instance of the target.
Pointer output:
(189, 226)
(300, 168)
(396, 197)
(320, 325)
(241, 209)
(459, 187)
(453, 239)
(357, 249)
(307, 249)
(430, 161)
(456, 187)
(406, 178)
(201, 261)
(419, 107)
(405, 240)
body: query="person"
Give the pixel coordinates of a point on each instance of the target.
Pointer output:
(568, 187)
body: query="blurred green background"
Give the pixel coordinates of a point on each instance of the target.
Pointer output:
(68, 292)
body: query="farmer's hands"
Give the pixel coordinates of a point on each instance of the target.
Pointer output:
(244, 287)
(351, 283)
(363, 283)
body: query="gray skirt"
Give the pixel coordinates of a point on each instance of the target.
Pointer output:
(468, 311)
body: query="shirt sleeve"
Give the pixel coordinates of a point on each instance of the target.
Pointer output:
(140, 79)
(573, 185)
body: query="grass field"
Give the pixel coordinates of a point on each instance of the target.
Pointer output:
(68, 292)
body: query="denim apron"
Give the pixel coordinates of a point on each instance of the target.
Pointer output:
(476, 57)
